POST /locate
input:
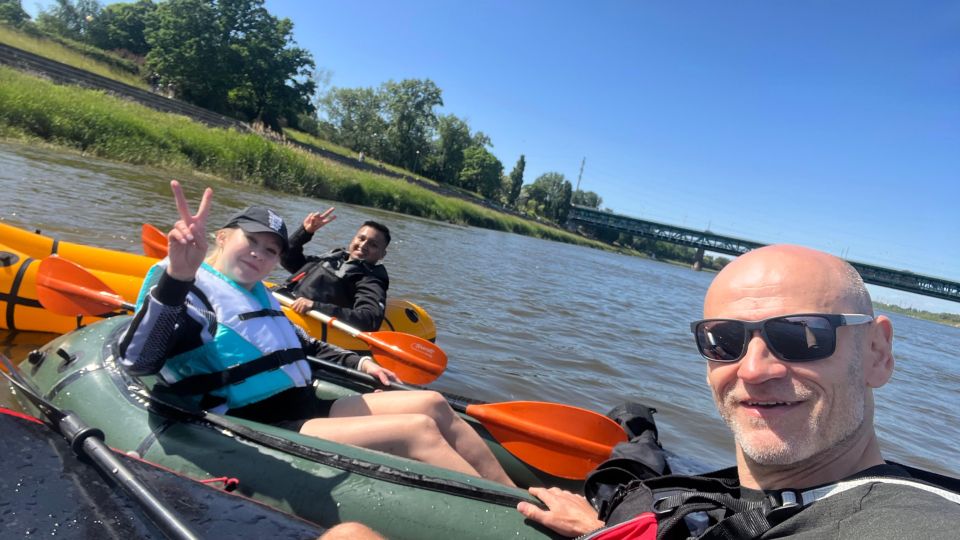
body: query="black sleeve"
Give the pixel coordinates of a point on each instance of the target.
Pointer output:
(369, 302)
(326, 351)
(170, 321)
(293, 259)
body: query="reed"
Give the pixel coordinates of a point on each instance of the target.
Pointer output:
(108, 127)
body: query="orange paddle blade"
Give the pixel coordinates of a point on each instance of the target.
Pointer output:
(559, 439)
(67, 288)
(412, 358)
(154, 241)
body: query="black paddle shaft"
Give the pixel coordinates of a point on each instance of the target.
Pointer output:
(87, 441)
(457, 403)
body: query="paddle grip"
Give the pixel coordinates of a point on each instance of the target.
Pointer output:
(75, 431)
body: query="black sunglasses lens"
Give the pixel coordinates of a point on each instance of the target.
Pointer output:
(721, 341)
(801, 338)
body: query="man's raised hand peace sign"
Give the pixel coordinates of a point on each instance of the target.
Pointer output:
(315, 220)
(187, 240)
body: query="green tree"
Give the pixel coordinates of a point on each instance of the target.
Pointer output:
(274, 76)
(68, 19)
(446, 160)
(409, 113)
(355, 114)
(481, 139)
(11, 12)
(122, 26)
(586, 198)
(551, 192)
(515, 181)
(231, 56)
(187, 53)
(481, 172)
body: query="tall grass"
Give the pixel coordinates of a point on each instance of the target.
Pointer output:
(108, 127)
(77, 55)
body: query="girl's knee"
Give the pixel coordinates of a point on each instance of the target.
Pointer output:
(434, 403)
(422, 434)
(436, 399)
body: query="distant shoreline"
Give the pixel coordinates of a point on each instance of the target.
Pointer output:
(949, 319)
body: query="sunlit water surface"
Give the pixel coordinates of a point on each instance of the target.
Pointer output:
(520, 318)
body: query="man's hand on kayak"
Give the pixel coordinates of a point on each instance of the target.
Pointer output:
(567, 513)
(187, 241)
(302, 305)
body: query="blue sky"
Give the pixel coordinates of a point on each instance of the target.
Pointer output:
(830, 124)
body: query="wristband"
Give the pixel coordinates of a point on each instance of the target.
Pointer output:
(362, 360)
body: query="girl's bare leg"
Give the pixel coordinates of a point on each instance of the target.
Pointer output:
(457, 433)
(413, 436)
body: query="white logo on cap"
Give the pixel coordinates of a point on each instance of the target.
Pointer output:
(275, 221)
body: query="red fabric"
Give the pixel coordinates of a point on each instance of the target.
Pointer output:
(642, 527)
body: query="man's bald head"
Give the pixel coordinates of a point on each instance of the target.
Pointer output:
(803, 276)
(788, 415)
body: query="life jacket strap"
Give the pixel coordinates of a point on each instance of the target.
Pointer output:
(206, 382)
(260, 313)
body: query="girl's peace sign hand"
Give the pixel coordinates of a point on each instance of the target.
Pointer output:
(187, 241)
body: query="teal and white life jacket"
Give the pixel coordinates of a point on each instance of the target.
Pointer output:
(253, 354)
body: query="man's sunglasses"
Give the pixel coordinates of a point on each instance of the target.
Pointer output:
(791, 338)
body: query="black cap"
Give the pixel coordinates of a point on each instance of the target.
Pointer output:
(254, 219)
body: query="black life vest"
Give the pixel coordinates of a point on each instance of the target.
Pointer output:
(332, 278)
(710, 506)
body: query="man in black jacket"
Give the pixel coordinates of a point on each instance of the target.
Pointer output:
(349, 284)
(793, 354)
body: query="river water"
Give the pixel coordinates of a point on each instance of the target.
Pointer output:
(520, 318)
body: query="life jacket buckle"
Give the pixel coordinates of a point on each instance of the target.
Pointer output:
(788, 499)
(662, 509)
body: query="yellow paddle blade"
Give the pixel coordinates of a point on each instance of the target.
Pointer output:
(67, 288)
(154, 241)
(559, 439)
(412, 358)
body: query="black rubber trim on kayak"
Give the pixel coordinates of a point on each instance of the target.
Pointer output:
(55, 247)
(63, 383)
(13, 299)
(153, 436)
(137, 394)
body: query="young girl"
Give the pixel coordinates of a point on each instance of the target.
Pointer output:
(211, 330)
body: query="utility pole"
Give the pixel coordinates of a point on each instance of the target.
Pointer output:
(580, 176)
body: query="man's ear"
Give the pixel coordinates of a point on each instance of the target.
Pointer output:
(879, 361)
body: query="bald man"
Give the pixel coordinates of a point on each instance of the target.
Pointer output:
(793, 354)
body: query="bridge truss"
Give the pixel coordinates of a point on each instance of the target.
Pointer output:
(886, 277)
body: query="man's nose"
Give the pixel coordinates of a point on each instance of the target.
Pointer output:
(759, 364)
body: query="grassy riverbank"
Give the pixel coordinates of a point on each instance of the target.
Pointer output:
(101, 125)
(949, 319)
(74, 54)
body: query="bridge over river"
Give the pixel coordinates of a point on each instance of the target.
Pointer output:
(708, 241)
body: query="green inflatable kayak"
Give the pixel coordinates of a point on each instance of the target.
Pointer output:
(321, 481)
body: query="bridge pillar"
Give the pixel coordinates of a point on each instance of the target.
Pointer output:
(698, 260)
